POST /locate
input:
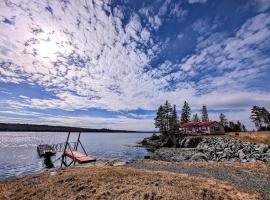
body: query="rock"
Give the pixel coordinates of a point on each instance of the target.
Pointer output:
(241, 154)
(119, 163)
(262, 148)
(167, 143)
(256, 156)
(147, 157)
(53, 173)
(154, 137)
(152, 141)
(199, 157)
(208, 149)
(266, 157)
(190, 142)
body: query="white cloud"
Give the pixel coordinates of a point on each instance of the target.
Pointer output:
(262, 5)
(155, 21)
(196, 1)
(96, 60)
(236, 60)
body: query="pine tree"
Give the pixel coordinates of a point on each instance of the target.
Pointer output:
(195, 118)
(265, 116)
(223, 120)
(166, 120)
(167, 115)
(159, 120)
(238, 126)
(256, 117)
(244, 128)
(173, 122)
(185, 115)
(205, 117)
(232, 126)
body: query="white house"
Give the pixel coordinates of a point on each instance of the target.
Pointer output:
(201, 128)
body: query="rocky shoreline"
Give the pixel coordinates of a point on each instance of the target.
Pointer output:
(206, 149)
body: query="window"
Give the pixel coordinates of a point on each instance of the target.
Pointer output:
(216, 128)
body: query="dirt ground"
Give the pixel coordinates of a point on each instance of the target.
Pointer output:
(248, 177)
(122, 182)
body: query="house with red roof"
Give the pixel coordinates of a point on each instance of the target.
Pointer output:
(202, 128)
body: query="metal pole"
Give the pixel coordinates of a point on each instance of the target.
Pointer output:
(83, 148)
(65, 149)
(78, 141)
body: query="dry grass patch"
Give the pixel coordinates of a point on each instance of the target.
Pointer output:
(257, 137)
(117, 183)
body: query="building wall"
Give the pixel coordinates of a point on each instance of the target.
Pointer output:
(214, 128)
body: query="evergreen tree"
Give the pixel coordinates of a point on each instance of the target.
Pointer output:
(265, 116)
(223, 120)
(244, 128)
(231, 126)
(167, 115)
(159, 120)
(173, 122)
(185, 115)
(166, 120)
(256, 116)
(204, 117)
(238, 126)
(195, 118)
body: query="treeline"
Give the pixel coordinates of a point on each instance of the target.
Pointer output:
(260, 116)
(46, 128)
(231, 126)
(167, 120)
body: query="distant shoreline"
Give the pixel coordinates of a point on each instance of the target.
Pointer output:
(14, 127)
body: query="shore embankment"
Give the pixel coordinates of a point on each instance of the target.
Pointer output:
(207, 148)
(137, 180)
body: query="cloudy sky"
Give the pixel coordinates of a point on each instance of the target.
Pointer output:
(112, 63)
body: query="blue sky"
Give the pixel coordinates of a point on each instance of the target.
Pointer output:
(112, 63)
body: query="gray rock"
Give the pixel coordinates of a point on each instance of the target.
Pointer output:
(210, 149)
(241, 154)
(262, 148)
(199, 157)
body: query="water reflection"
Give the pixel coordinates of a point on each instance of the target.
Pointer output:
(48, 162)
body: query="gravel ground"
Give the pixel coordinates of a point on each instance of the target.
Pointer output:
(249, 179)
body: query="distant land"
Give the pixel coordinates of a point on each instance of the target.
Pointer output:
(13, 127)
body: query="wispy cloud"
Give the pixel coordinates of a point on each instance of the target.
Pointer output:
(196, 1)
(94, 54)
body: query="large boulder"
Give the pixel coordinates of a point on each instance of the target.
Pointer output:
(241, 154)
(190, 142)
(153, 141)
(199, 157)
(167, 142)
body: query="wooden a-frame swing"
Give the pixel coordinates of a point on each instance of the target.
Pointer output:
(74, 155)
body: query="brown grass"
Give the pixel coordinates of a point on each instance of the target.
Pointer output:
(117, 183)
(257, 137)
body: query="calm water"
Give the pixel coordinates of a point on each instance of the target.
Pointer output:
(18, 154)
